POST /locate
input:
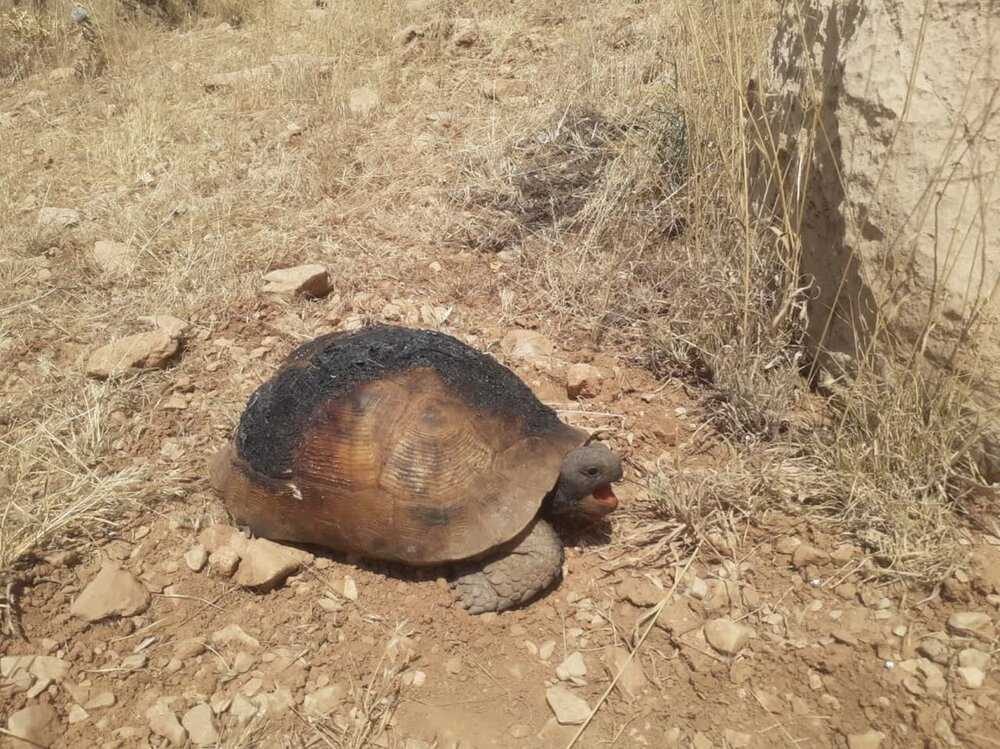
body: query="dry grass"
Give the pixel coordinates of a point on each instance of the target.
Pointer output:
(614, 167)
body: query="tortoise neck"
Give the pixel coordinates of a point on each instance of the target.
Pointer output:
(558, 501)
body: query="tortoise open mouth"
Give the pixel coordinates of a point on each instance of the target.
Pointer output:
(602, 500)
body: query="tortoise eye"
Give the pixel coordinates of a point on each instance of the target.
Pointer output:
(592, 471)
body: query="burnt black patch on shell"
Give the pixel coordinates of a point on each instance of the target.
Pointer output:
(431, 516)
(330, 366)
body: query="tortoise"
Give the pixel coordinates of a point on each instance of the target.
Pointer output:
(412, 447)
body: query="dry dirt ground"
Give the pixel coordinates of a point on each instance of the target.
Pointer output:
(772, 635)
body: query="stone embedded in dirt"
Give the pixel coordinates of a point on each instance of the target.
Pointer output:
(971, 677)
(678, 618)
(868, 740)
(38, 725)
(218, 536)
(196, 557)
(243, 662)
(234, 634)
(934, 649)
(787, 544)
(242, 709)
(303, 280)
(324, 701)
(76, 714)
(140, 351)
(453, 665)
(971, 624)
(134, 662)
(187, 649)
(806, 554)
(546, 649)
(528, 345)
(573, 667)
(43, 667)
(172, 326)
(727, 636)
(113, 257)
(56, 219)
(100, 701)
(163, 722)
(363, 100)
(639, 592)
(200, 726)
(569, 709)
(275, 703)
(633, 679)
(113, 592)
(237, 78)
(223, 563)
(350, 588)
(697, 588)
(737, 739)
(583, 381)
(974, 658)
(265, 565)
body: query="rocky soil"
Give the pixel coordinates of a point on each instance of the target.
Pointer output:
(174, 629)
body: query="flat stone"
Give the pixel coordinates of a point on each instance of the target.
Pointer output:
(172, 326)
(868, 740)
(242, 709)
(639, 592)
(324, 701)
(569, 710)
(528, 345)
(572, 667)
(100, 701)
(140, 351)
(302, 280)
(234, 633)
(200, 726)
(163, 722)
(224, 562)
(37, 724)
(114, 258)
(219, 536)
(727, 636)
(265, 565)
(976, 658)
(971, 676)
(114, 592)
(190, 648)
(76, 714)
(971, 624)
(275, 703)
(546, 649)
(633, 679)
(806, 554)
(45, 667)
(52, 218)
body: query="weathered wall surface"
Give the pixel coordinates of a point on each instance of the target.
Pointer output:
(898, 187)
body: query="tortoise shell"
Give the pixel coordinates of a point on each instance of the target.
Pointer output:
(394, 444)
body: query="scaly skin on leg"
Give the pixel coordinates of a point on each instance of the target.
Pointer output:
(515, 576)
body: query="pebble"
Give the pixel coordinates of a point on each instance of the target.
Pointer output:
(223, 562)
(868, 740)
(196, 558)
(546, 649)
(453, 665)
(113, 257)
(243, 662)
(568, 709)
(134, 662)
(971, 624)
(163, 722)
(583, 381)
(234, 633)
(727, 636)
(303, 280)
(113, 592)
(242, 709)
(350, 588)
(265, 564)
(737, 739)
(187, 649)
(58, 218)
(971, 676)
(806, 554)
(100, 701)
(572, 668)
(200, 726)
(632, 680)
(151, 350)
(324, 701)
(37, 724)
(934, 649)
(76, 714)
(639, 592)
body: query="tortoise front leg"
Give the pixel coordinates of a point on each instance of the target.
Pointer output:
(513, 576)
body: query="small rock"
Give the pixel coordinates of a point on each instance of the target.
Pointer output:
(934, 649)
(639, 592)
(971, 676)
(568, 709)
(265, 564)
(134, 662)
(350, 588)
(219, 536)
(632, 680)
(76, 714)
(869, 740)
(242, 709)
(453, 665)
(172, 326)
(234, 633)
(196, 557)
(528, 345)
(38, 725)
(100, 701)
(42, 667)
(243, 662)
(971, 624)
(736, 739)
(113, 592)
(324, 701)
(363, 100)
(200, 726)
(163, 722)
(302, 280)
(572, 667)
(275, 703)
(806, 554)
(698, 588)
(583, 381)
(188, 649)
(141, 351)
(56, 219)
(546, 649)
(727, 636)
(114, 257)
(975, 658)
(787, 544)
(223, 563)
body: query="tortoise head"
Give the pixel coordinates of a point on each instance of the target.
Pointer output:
(585, 479)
